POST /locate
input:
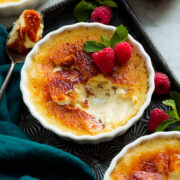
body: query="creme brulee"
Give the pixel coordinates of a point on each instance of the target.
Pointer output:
(157, 159)
(26, 32)
(70, 93)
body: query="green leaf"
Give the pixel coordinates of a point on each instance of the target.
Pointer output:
(105, 41)
(171, 114)
(92, 46)
(109, 3)
(169, 102)
(172, 104)
(177, 128)
(82, 10)
(165, 124)
(121, 34)
(176, 96)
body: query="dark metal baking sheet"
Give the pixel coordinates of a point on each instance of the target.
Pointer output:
(99, 156)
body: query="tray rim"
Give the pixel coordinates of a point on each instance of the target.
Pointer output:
(155, 49)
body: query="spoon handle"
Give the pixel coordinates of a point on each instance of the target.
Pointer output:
(6, 80)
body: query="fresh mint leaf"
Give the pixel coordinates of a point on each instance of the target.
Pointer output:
(171, 114)
(82, 10)
(172, 104)
(108, 3)
(121, 34)
(169, 102)
(176, 97)
(165, 124)
(105, 41)
(177, 128)
(92, 46)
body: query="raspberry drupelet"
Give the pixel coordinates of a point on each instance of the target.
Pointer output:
(122, 52)
(104, 59)
(162, 83)
(102, 14)
(157, 116)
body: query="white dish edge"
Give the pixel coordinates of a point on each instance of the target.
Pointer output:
(86, 138)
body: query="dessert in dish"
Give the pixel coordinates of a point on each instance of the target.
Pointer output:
(153, 159)
(8, 1)
(26, 32)
(68, 90)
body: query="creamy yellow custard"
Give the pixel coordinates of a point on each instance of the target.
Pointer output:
(157, 159)
(8, 1)
(69, 91)
(26, 32)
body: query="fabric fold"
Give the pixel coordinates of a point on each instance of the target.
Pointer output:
(20, 157)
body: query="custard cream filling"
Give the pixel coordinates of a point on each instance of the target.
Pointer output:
(106, 101)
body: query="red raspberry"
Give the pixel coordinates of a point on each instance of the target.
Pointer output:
(101, 14)
(162, 83)
(157, 116)
(122, 52)
(104, 59)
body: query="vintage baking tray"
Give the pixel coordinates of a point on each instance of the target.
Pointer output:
(99, 156)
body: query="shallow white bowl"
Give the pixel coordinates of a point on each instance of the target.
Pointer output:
(16, 8)
(85, 138)
(140, 140)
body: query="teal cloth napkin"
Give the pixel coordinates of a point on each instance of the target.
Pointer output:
(20, 157)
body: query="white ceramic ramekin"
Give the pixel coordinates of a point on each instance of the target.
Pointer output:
(16, 8)
(132, 145)
(85, 138)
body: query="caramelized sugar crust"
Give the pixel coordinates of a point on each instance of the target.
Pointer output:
(25, 32)
(157, 159)
(61, 64)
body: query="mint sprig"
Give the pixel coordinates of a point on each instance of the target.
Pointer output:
(121, 34)
(92, 46)
(173, 113)
(109, 3)
(165, 124)
(83, 9)
(174, 103)
(105, 41)
(177, 128)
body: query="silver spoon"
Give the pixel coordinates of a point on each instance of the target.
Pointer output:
(15, 57)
